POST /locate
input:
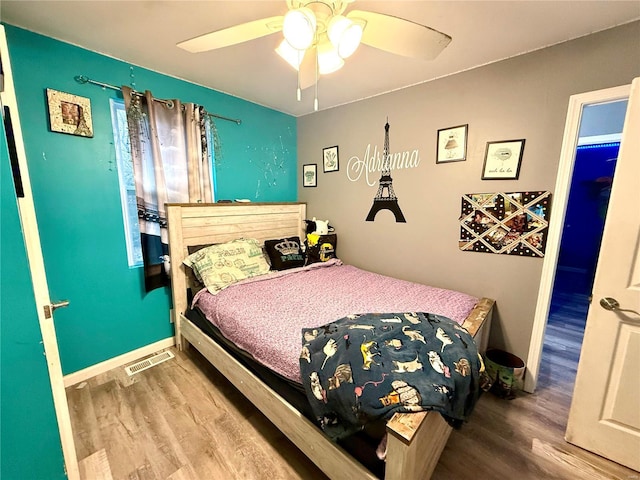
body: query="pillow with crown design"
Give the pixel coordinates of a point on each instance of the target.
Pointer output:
(285, 253)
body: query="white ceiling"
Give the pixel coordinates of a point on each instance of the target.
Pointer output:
(145, 33)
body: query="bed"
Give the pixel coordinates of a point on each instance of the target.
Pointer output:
(414, 440)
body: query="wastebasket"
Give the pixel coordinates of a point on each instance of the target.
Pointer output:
(506, 372)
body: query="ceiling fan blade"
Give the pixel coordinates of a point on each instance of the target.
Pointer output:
(400, 36)
(233, 35)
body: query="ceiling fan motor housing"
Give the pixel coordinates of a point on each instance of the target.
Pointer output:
(322, 10)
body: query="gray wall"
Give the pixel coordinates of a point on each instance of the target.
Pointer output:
(522, 97)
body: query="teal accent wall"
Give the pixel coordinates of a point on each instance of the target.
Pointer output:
(76, 192)
(27, 418)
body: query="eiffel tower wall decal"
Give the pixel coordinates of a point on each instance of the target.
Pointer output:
(385, 198)
(513, 223)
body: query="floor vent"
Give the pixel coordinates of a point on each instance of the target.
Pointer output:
(149, 362)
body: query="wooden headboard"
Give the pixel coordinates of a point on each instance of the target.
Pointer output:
(204, 224)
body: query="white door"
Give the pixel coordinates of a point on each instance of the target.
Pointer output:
(605, 412)
(38, 277)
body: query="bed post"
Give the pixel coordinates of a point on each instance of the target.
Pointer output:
(416, 440)
(178, 276)
(478, 322)
(303, 225)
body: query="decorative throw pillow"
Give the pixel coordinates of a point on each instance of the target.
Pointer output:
(193, 283)
(321, 248)
(221, 265)
(284, 253)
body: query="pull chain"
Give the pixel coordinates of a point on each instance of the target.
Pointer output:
(299, 90)
(315, 101)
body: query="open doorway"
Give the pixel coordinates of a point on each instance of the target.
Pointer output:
(593, 173)
(587, 163)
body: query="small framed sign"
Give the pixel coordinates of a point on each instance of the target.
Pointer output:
(502, 160)
(310, 175)
(330, 159)
(69, 113)
(452, 144)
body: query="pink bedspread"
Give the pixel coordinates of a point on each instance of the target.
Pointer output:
(265, 315)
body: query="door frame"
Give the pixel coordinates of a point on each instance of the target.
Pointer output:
(556, 220)
(26, 209)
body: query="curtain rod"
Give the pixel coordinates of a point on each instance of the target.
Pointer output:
(84, 79)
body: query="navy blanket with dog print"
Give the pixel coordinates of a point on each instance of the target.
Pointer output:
(366, 367)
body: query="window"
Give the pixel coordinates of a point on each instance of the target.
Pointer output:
(127, 182)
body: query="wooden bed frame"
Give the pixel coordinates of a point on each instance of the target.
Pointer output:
(414, 441)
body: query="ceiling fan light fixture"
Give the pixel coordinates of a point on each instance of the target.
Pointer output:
(328, 59)
(345, 34)
(292, 56)
(299, 28)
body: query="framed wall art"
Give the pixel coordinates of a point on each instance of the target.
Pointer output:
(330, 161)
(452, 144)
(502, 160)
(69, 113)
(310, 175)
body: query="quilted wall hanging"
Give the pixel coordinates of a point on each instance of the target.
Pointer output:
(506, 223)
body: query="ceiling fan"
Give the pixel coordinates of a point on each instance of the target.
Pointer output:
(318, 36)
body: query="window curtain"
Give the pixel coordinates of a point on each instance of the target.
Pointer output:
(171, 164)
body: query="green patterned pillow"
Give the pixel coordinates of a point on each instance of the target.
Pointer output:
(221, 265)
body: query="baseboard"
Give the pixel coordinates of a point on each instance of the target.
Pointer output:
(120, 360)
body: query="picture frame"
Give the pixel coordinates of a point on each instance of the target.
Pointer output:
(69, 113)
(310, 175)
(330, 159)
(452, 144)
(502, 160)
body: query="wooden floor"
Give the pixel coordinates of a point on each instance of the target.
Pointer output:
(523, 438)
(181, 420)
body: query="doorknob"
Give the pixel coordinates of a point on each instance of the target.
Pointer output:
(48, 309)
(612, 304)
(60, 304)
